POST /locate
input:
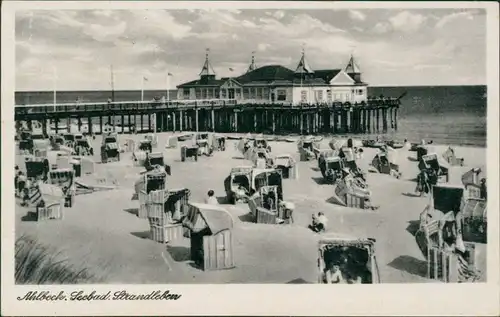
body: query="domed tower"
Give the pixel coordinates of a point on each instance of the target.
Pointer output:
(207, 72)
(252, 65)
(352, 69)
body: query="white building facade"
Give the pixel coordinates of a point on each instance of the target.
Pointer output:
(277, 84)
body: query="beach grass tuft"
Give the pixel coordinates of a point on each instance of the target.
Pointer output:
(38, 264)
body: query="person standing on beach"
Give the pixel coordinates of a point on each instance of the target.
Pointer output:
(482, 189)
(211, 200)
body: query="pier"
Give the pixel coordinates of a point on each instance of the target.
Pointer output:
(219, 115)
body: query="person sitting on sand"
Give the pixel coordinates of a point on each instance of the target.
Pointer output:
(319, 223)
(333, 274)
(241, 191)
(211, 200)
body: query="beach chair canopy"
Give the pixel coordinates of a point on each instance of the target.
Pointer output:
(50, 192)
(69, 136)
(284, 160)
(37, 136)
(156, 158)
(203, 216)
(473, 176)
(83, 142)
(433, 158)
(110, 139)
(337, 239)
(41, 144)
(336, 144)
(111, 146)
(332, 159)
(447, 197)
(241, 169)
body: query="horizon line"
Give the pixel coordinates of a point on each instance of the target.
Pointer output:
(159, 89)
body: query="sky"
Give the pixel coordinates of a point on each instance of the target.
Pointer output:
(74, 50)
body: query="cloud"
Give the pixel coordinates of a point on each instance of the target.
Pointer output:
(87, 42)
(262, 47)
(279, 14)
(357, 15)
(382, 27)
(105, 33)
(452, 17)
(407, 22)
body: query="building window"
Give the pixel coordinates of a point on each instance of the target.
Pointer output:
(329, 95)
(360, 92)
(281, 95)
(198, 93)
(246, 93)
(319, 95)
(303, 96)
(265, 92)
(259, 93)
(217, 93)
(223, 93)
(185, 93)
(210, 93)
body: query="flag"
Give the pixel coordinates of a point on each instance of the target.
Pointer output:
(170, 74)
(231, 69)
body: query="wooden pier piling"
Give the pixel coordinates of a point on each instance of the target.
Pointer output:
(217, 116)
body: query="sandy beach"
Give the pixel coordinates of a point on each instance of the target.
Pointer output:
(102, 230)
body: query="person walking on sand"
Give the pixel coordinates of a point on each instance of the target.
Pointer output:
(211, 200)
(422, 183)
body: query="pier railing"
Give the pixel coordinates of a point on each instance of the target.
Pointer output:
(190, 104)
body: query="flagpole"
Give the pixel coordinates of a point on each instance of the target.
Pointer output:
(168, 88)
(142, 89)
(55, 86)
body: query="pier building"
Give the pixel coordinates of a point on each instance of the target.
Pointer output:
(276, 84)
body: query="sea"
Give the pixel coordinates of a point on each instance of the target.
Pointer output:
(453, 115)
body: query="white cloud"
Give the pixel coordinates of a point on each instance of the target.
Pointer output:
(382, 27)
(279, 14)
(105, 33)
(407, 22)
(357, 15)
(452, 17)
(159, 23)
(262, 47)
(155, 40)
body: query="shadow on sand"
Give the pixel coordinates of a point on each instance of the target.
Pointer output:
(413, 226)
(298, 281)
(142, 234)
(315, 169)
(319, 180)
(238, 158)
(248, 217)
(30, 216)
(222, 200)
(410, 265)
(179, 253)
(331, 200)
(133, 211)
(412, 159)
